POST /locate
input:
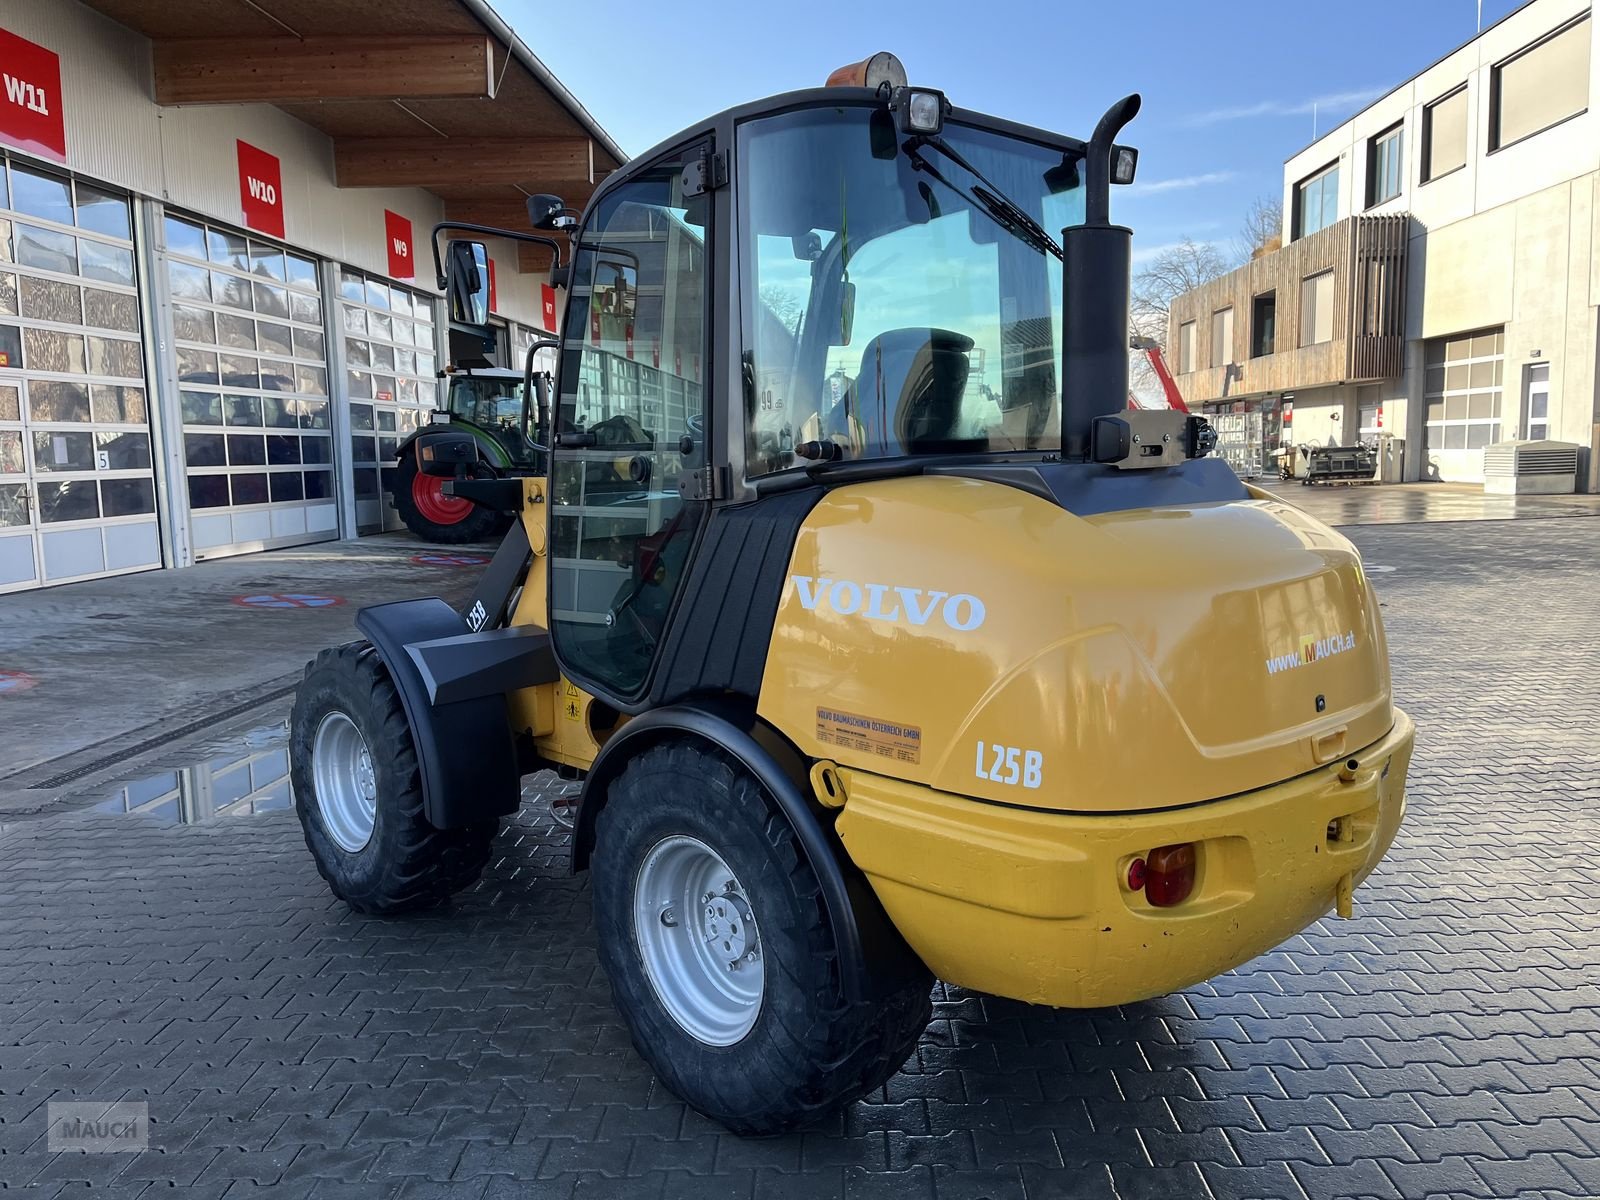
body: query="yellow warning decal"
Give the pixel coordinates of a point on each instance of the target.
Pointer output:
(870, 735)
(572, 703)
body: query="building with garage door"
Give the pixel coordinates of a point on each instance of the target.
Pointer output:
(1438, 281)
(217, 305)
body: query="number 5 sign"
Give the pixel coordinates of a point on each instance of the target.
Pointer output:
(30, 111)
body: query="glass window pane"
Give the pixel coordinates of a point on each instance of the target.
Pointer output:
(124, 451)
(272, 301)
(191, 283)
(196, 366)
(274, 338)
(1479, 436)
(208, 491)
(314, 414)
(246, 450)
(280, 413)
(51, 300)
(308, 343)
(352, 286)
(311, 380)
(109, 264)
(378, 323)
(302, 271)
(227, 249)
(1455, 437)
(52, 350)
(231, 290)
(127, 497)
(11, 346)
(184, 237)
(115, 357)
(283, 449)
(242, 410)
(238, 333)
(266, 261)
(117, 405)
(1543, 85)
(10, 403)
(361, 416)
(249, 489)
(1445, 126)
(377, 293)
(305, 308)
(110, 310)
(1480, 405)
(46, 249)
(286, 485)
(319, 485)
(192, 324)
(49, 400)
(58, 451)
(71, 500)
(11, 460)
(355, 320)
(316, 449)
(8, 291)
(201, 408)
(277, 375)
(101, 212)
(40, 194)
(241, 372)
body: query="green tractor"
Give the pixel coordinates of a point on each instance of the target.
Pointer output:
(490, 404)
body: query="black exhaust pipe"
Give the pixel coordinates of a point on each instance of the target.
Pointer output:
(1097, 264)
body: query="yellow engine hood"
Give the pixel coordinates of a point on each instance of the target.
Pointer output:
(981, 640)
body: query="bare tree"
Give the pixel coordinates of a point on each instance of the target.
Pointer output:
(1169, 273)
(1262, 230)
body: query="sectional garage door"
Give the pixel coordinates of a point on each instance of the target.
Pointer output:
(77, 491)
(389, 377)
(252, 381)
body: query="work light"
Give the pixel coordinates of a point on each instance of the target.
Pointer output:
(1124, 162)
(918, 110)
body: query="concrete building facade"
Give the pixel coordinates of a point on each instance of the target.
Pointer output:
(1491, 159)
(218, 311)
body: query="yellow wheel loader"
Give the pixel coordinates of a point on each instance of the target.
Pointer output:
(887, 643)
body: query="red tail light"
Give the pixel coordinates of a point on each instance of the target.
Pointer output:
(1169, 874)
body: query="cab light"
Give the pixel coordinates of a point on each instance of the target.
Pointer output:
(1169, 874)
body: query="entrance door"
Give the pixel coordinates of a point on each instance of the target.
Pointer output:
(252, 372)
(1536, 402)
(632, 419)
(77, 488)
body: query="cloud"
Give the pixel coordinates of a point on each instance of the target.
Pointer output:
(1181, 184)
(1285, 108)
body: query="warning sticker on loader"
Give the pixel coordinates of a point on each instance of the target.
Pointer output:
(870, 735)
(572, 702)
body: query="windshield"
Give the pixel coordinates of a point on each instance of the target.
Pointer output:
(895, 303)
(485, 400)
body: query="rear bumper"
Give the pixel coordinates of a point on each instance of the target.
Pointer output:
(1035, 905)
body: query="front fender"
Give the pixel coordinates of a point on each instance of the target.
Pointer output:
(873, 957)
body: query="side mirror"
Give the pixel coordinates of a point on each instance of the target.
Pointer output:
(441, 453)
(467, 282)
(840, 334)
(546, 211)
(616, 289)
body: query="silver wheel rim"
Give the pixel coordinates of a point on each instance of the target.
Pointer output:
(698, 938)
(346, 783)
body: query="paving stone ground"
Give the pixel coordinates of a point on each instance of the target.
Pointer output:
(1446, 1042)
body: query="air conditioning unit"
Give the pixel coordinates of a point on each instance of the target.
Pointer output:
(1540, 468)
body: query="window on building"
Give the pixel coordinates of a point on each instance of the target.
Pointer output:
(1463, 387)
(1316, 201)
(1263, 324)
(1386, 165)
(1222, 337)
(1186, 347)
(1536, 402)
(1444, 135)
(1316, 308)
(1540, 86)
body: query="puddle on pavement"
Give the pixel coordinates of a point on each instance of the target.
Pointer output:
(247, 774)
(239, 776)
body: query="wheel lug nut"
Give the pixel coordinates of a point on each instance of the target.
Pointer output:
(669, 918)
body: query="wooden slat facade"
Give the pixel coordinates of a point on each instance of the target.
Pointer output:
(1367, 256)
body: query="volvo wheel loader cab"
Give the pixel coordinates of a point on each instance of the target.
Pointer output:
(888, 644)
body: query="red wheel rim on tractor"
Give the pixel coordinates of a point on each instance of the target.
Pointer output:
(427, 493)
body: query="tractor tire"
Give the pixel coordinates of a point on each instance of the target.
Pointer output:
(360, 804)
(435, 517)
(695, 868)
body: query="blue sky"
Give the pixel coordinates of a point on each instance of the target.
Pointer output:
(1228, 87)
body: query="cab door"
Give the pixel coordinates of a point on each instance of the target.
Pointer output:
(632, 416)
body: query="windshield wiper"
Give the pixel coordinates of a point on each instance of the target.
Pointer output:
(1005, 212)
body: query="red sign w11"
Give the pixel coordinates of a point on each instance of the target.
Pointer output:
(30, 111)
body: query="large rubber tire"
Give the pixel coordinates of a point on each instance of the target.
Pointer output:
(810, 1050)
(406, 864)
(479, 524)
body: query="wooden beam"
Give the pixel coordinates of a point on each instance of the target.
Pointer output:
(281, 70)
(427, 161)
(535, 260)
(513, 214)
